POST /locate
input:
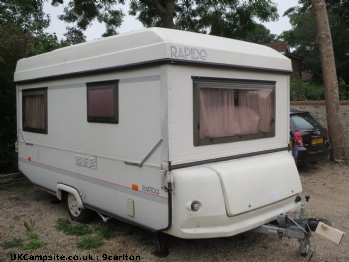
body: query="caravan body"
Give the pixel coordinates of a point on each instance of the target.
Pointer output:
(173, 131)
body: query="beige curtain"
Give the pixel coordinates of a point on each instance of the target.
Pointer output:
(266, 110)
(34, 112)
(220, 117)
(217, 113)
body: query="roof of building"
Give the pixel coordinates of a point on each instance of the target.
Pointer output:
(281, 47)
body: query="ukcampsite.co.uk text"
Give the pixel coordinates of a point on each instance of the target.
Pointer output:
(57, 257)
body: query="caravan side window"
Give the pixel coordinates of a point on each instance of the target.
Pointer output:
(34, 110)
(102, 102)
(228, 110)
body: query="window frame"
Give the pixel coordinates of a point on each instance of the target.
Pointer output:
(35, 92)
(234, 85)
(112, 84)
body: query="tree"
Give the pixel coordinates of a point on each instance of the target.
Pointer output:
(13, 46)
(260, 35)
(303, 34)
(22, 25)
(84, 12)
(324, 40)
(228, 18)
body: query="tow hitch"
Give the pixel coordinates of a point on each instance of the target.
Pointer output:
(300, 227)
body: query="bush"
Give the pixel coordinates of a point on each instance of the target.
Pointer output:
(308, 90)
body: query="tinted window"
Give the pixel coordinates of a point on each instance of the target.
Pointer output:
(304, 121)
(102, 102)
(232, 110)
(34, 110)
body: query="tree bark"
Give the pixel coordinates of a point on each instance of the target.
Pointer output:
(324, 41)
(166, 12)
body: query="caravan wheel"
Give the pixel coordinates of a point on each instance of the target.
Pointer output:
(75, 212)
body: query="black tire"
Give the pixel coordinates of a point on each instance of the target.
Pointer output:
(76, 213)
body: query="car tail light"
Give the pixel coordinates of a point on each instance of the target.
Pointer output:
(298, 140)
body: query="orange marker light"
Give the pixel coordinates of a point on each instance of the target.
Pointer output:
(29, 158)
(135, 187)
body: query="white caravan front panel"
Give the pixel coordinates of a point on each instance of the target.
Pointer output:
(233, 196)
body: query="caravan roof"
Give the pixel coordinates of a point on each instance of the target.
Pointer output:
(150, 46)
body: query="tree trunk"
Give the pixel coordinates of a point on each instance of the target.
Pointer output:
(166, 12)
(324, 41)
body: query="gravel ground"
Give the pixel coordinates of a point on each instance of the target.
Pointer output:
(326, 183)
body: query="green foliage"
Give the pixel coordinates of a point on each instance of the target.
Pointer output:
(45, 42)
(14, 45)
(83, 12)
(16, 242)
(343, 90)
(302, 36)
(74, 36)
(260, 35)
(309, 90)
(104, 232)
(72, 229)
(305, 90)
(34, 244)
(33, 236)
(27, 14)
(29, 227)
(89, 242)
(22, 25)
(230, 18)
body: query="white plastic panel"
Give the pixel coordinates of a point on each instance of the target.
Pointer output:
(269, 183)
(181, 116)
(146, 45)
(254, 182)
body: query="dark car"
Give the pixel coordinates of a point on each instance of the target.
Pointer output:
(308, 138)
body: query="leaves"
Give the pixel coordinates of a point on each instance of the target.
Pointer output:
(302, 36)
(228, 18)
(83, 12)
(260, 35)
(22, 25)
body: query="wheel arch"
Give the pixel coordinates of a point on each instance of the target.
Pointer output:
(61, 188)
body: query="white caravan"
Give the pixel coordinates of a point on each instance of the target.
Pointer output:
(177, 132)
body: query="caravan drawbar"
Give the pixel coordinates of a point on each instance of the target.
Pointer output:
(176, 132)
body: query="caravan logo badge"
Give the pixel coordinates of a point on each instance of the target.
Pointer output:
(188, 53)
(150, 189)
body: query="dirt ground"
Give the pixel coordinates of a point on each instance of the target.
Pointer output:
(326, 183)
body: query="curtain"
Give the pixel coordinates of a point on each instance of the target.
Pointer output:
(217, 113)
(34, 111)
(266, 110)
(229, 112)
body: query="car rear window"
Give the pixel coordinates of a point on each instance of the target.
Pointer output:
(304, 121)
